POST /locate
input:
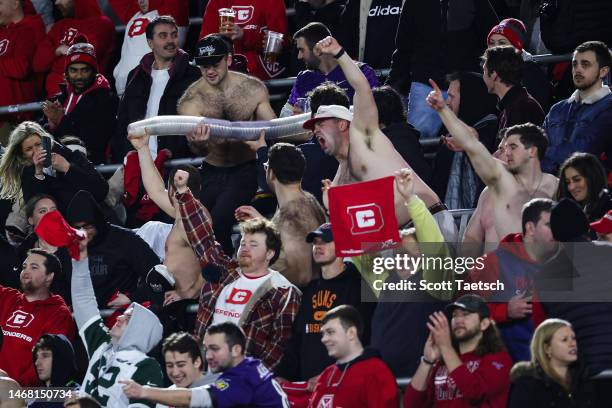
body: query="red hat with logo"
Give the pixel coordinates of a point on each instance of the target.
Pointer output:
(514, 30)
(81, 51)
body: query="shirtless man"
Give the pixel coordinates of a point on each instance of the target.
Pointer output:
(297, 212)
(371, 154)
(480, 235)
(181, 268)
(229, 176)
(510, 185)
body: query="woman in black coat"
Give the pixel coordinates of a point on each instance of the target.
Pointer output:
(552, 378)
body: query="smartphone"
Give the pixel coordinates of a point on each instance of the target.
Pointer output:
(47, 145)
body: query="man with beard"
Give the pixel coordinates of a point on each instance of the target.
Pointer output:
(248, 293)
(229, 170)
(86, 106)
(464, 363)
(512, 184)
(319, 69)
(244, 381)
(27, 315)
(582, 122)
(340, 284)
(82, 17)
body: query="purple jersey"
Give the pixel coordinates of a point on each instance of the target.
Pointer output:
(249, 384)
(308, 80)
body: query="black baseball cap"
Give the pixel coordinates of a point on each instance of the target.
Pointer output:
(324, 232)
(211, 49)
(471, 303)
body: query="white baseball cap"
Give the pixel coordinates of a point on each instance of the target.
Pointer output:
(327, 112)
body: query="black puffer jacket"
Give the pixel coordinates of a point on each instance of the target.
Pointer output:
(532, 388)
(133, 104)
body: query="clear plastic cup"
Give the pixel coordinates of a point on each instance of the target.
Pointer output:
(273, 44)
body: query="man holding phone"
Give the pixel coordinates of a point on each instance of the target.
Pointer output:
(515, 262)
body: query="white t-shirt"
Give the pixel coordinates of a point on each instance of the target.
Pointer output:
(135, 46)
(160, 79)
(234, 297)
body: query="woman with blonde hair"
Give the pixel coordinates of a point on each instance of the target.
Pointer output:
(553, 377)
(25, 141)
(23, 175)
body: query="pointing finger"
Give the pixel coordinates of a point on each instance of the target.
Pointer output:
(434, 85)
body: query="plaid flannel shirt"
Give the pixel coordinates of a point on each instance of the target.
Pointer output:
(268, 316)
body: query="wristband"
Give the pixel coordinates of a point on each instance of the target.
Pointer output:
(340, 53)
(426, 361)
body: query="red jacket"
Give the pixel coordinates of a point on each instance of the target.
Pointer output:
(18, 84)
(364, 382)
(179, 9)
(254, 16)
(491, 272)
(479, 382)
(88, 20)
(23, 322)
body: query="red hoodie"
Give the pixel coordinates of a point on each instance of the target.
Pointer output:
(23, 322)
(88, 20)
(18, 84)
(482, 382)
(512, 243)
(254, 17)
(365, 382)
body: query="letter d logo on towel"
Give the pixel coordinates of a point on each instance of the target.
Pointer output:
(362, 217)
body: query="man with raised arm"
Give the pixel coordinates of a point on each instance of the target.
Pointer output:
(361, 148)
(118, 353)
(245, 291)
(510, 185)
(181, 268)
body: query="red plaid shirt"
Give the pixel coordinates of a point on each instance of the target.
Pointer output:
(268, 316)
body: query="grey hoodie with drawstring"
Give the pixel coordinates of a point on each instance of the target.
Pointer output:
(108, 361)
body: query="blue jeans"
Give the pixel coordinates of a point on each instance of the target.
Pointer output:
(420, 115)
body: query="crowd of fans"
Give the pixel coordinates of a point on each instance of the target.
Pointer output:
(223, 285)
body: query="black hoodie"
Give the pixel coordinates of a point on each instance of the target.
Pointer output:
(63, 368)
(117, 256)
(476, 106)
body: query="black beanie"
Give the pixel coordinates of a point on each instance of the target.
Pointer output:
(568, 222)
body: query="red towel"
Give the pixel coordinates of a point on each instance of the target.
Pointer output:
(362, 217)
(54, 230)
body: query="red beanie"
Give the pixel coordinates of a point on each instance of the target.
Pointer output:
(514, 30)
(54, 229)
(81, 51)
